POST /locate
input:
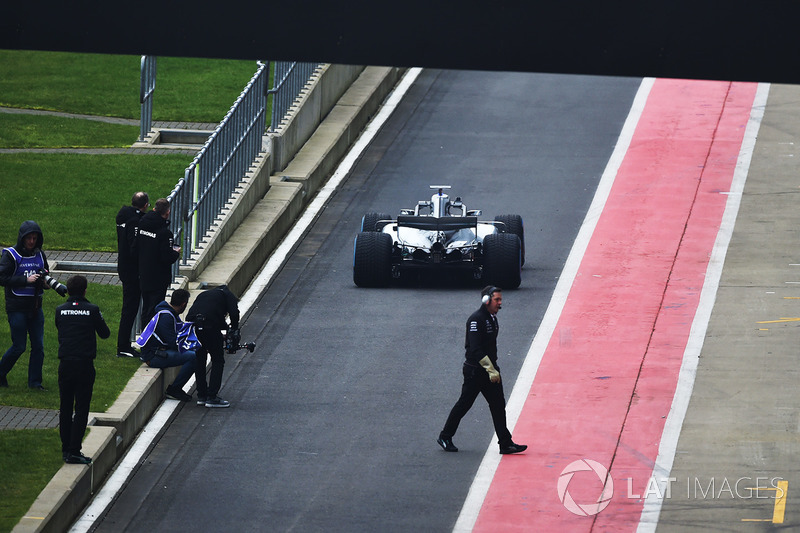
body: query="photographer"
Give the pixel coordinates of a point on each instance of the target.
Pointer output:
(23, 270)
(208, 314)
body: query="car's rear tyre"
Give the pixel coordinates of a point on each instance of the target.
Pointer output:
(369, 222)
(372, 259)
(513, 224)
(502, 260)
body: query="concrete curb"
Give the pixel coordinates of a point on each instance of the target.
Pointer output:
(234, 263)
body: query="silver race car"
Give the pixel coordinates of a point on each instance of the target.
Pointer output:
(439, 234)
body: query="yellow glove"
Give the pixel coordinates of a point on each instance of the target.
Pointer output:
(494, 374)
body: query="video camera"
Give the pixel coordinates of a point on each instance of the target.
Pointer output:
(53, 283)
(233, 339)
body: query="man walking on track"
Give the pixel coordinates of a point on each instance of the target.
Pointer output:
(482, 375)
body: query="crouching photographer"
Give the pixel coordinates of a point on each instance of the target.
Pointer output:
(208, 313)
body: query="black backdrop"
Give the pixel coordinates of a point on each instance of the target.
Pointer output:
(747, 40)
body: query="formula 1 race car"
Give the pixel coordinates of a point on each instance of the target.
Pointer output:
(439, 234)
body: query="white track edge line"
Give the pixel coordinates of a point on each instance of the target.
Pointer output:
(691, 356)
(122, 472)
(491, 459)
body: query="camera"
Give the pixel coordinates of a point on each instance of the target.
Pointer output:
(53, 283)
(232, 342)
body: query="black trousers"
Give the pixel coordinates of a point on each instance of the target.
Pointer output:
(476, 381)
(131, 297)
(212, 343)
(75, 384)
(150, 299)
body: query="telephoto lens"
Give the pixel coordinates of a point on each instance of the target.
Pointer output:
(53, 283)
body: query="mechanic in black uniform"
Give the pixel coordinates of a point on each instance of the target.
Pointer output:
(208, 314)
(77, 321)
(157, 253)
(481, 375)
(128, 269)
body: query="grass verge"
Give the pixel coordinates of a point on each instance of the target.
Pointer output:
(75, 197)
(187, 89)
(22, 480)
(41, 131)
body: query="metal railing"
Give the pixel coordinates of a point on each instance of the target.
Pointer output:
(290, 79)
(146, 92)
(209, 182)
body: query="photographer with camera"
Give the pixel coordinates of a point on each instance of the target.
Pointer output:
(24, 274)
(208, 314)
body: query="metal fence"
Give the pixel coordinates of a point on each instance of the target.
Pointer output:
(146, 92)
(209, 182)
(289, 80)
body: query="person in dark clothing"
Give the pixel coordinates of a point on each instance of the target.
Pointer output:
(208, 314)
(128, 269)
(155, 248)
(22, 269)
(481, 375)
(77, 321)
(159, 343)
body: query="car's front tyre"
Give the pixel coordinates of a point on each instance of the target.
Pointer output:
(513, 224)
(371, 221)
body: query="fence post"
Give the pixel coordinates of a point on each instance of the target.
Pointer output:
(146, 92)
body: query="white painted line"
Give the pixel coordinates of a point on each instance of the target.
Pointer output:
(139, 447)
(491, 459)
(680, 403)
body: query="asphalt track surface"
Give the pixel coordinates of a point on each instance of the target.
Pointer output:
(334, 417)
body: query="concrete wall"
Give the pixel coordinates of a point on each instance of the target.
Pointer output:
(314, 105)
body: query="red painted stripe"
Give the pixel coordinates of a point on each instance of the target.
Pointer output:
(608, 376)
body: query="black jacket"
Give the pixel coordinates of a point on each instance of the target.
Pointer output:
(77, 321)
(481, 337)
(127, 262)
(8, 266)
(153, 245)
(213, 305)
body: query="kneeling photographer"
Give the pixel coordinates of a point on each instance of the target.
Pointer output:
(208, 314)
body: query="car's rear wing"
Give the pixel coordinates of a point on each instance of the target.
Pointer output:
(436, 223)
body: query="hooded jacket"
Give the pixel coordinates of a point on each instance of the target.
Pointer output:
(163, 335)
(21, 295)
(127, 262)
(156, 255)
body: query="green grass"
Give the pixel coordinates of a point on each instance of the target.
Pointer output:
(187, 89)
(113, 373)
(75, 197)
(42, 131)
(22, 478)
